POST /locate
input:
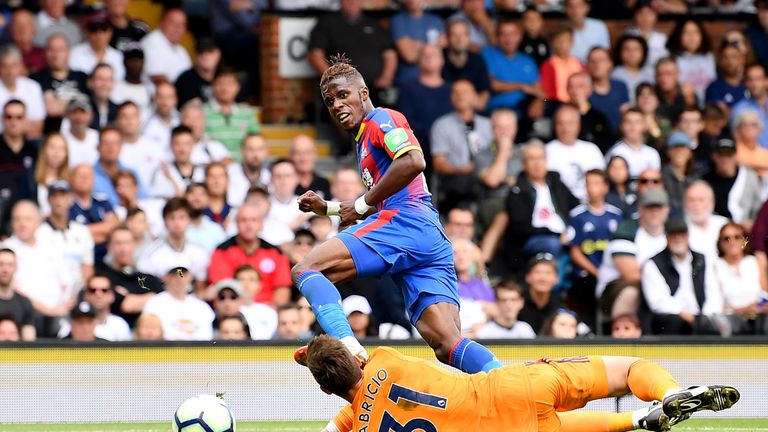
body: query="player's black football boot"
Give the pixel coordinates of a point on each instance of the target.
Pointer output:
(700, 398)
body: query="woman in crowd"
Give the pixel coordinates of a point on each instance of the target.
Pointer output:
(620, 194)
(563, 324)
(657, 127)
(741, 281)
(52, 165)
(747, 127)
(689, 44)
(630, 57)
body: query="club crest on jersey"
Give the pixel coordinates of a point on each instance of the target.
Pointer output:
(367, 178)
(396, 139)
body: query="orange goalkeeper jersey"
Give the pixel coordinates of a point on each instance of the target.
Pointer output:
(406, 394)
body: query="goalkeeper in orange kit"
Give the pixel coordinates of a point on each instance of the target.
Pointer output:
(404, 394)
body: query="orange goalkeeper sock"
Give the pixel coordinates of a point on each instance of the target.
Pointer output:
(649, 381)
(582, 421)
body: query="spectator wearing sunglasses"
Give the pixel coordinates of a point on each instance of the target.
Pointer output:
(650, 178)
(541, 278)
(100, 294)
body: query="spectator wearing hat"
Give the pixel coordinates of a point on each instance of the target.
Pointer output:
(233, 299)
(60, 83)
(358, 312)
(14, 86)
(83, 323)
(289, 323)
(183, 315)
(71, 238)
(228, 298)
(679, 286)
(540, 302)
(165, 58)
(52, 19)
(172, 178)
(14, 305)
(101, 295)
(100, 84)
(82, 140)
(206, 150)
(96, 49)
(22, 29)
(635, 241)
(125, 29)
(703, 224)
(680, 171)
(90, 209)
(737, 189)
(162, 117)
(134, 86)
(195, 83)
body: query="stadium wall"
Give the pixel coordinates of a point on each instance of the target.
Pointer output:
(57, 383)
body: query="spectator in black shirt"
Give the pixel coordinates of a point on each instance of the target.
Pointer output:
(540, 302)
(124, 28)
(534, 43)
(304, 155)
(17, 161)
(196, 82)
(100, 83)
(463, 64)
(595, 127)
(132, 289)
(59, 83)
(12, 304)
(673, 96)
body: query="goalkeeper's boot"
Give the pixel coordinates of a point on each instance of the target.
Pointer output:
(700, 398)
(656, 420)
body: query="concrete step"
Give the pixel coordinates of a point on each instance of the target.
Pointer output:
(279, 138)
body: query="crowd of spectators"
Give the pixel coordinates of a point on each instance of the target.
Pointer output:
(590, 183)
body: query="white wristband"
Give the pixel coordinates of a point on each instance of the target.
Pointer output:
(332, 208)
(362, 207)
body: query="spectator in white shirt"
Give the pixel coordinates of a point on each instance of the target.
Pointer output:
(252, 171)
(134, 86)
(15, 86)
(82, 141)
(504, 325)
(206, 150)
(284, 216)
(165, 58)
(100, 293)
(632, 147)
(703, 224)
(52, 20)
(138, 153)
(172, 178)
(163, 117)
(96, 49)
(570, 156)
(587, 32)
(183, 316)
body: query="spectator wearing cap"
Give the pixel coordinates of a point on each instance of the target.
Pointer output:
(679, 286)
(125, 29)
(195, 82)
(206, 150)
(505, 324)
(22, 29)
(162, 117)
(134, 86)
(101, 295)
(96, 49)
(632, 146)
(52, 19)
(71, 238)
(757, 32)
(183, 315)
(228, 298)
(635, 241)
(680, 171)
(303, 154)
(100, 84)
(82, 140)
(261, 317)
(175, 247)
(48, 286)
(747, 129)
(14, 305)
(60, 83)
(90, 209)
(737, 189)
(358, 313)
(226, 120)
(247, 248)
(587, 32)
(165, 58)
(14, 86)
(132, 288)
(539, 300)
(252, 170)
(202, 231)
(289, 323)
(703, 224)
(172, 178)
(83, 323)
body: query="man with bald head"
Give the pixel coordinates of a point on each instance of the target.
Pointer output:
(246, 247)
(703, 224)
(90, 209)
(42, 274)
(304, 155)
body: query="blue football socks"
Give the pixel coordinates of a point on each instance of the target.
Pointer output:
(326, 303)
(471, 357)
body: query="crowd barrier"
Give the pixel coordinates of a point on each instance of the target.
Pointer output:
(126, 382)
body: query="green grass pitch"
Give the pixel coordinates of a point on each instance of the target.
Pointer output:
(694, 425)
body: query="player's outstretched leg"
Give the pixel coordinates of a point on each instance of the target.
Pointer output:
(700, 398)
(315, 276)
(651, 418)
(439, 325)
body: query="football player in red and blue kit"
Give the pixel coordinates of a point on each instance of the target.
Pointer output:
(400, 235)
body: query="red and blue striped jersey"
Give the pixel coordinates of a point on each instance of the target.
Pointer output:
(384, 136)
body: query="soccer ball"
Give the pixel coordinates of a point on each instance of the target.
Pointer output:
(203, 413)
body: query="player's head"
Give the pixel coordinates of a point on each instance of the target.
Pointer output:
(333, 366)
(345, 93)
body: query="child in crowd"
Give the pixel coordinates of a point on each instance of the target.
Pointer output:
(534, 43)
